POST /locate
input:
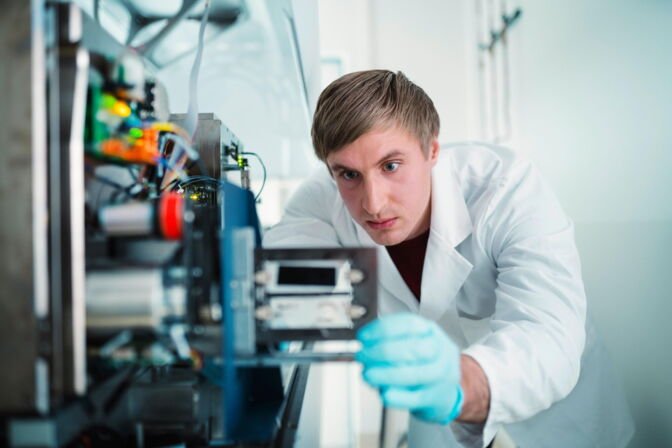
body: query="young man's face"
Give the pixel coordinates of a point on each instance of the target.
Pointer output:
(384, 178)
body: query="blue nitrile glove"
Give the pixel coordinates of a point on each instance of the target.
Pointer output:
(414, 364)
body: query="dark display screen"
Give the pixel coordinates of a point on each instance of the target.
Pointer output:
(294, 275)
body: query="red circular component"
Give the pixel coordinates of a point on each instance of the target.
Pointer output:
(171, 212)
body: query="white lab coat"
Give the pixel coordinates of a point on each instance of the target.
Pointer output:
(502, 277)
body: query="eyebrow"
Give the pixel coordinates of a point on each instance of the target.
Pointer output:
(393, 153)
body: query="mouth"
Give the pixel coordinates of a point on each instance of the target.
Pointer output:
(381, 224)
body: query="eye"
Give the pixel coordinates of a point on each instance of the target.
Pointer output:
(349, 175)
(391, 166)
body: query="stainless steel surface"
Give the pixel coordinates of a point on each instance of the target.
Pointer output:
(131, 298)
(212, 137)
(245, 178)
(318, 306)
(133, 218)
(68, 74)
(243, 283)
(294, 358)
(77, 316)
(23, 236)
(306, 312)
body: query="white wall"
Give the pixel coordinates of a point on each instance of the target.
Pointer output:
(346, 33)
(593, 83)
(424, 39)
(592, 105)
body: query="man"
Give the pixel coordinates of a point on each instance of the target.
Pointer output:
(484, 311)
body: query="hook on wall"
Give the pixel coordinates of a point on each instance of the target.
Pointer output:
(496, 36)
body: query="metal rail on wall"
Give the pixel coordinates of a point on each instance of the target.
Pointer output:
(493, 25)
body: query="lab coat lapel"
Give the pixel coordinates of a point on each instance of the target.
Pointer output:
(388, 276)
(445, 269)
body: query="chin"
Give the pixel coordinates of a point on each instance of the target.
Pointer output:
(386, 239)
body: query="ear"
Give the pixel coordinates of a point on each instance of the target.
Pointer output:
(434, 149)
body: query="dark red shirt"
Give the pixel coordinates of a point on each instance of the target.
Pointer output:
(409, 258)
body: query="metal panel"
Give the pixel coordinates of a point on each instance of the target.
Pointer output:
(67, 101)
(364, 292)
(211, 134)
(23, 235)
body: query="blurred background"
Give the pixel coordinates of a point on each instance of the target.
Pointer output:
(581, 87)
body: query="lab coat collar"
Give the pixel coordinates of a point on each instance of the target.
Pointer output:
(450, 219)
(444, 269)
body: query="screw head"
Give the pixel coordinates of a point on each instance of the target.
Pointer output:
(264, 313)
(356, 276)
(357, 311)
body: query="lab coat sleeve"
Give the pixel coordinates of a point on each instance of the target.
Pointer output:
(532, 355)
(307, 220)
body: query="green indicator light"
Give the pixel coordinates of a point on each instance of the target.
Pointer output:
(108, 101)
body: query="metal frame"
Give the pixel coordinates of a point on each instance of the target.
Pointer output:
(364, 292)
(23, 190)
(67, 85)
(43, 167)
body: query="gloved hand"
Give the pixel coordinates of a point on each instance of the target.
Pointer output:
(414, 364)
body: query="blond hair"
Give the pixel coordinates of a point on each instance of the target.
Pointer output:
(358, 102)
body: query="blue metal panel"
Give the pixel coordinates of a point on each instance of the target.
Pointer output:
(253, 397)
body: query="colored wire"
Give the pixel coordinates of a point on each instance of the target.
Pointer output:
(191, 120)
(263, 168)
(186, 181)
(181, 144)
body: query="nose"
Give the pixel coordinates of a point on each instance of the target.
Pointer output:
(373, 200)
